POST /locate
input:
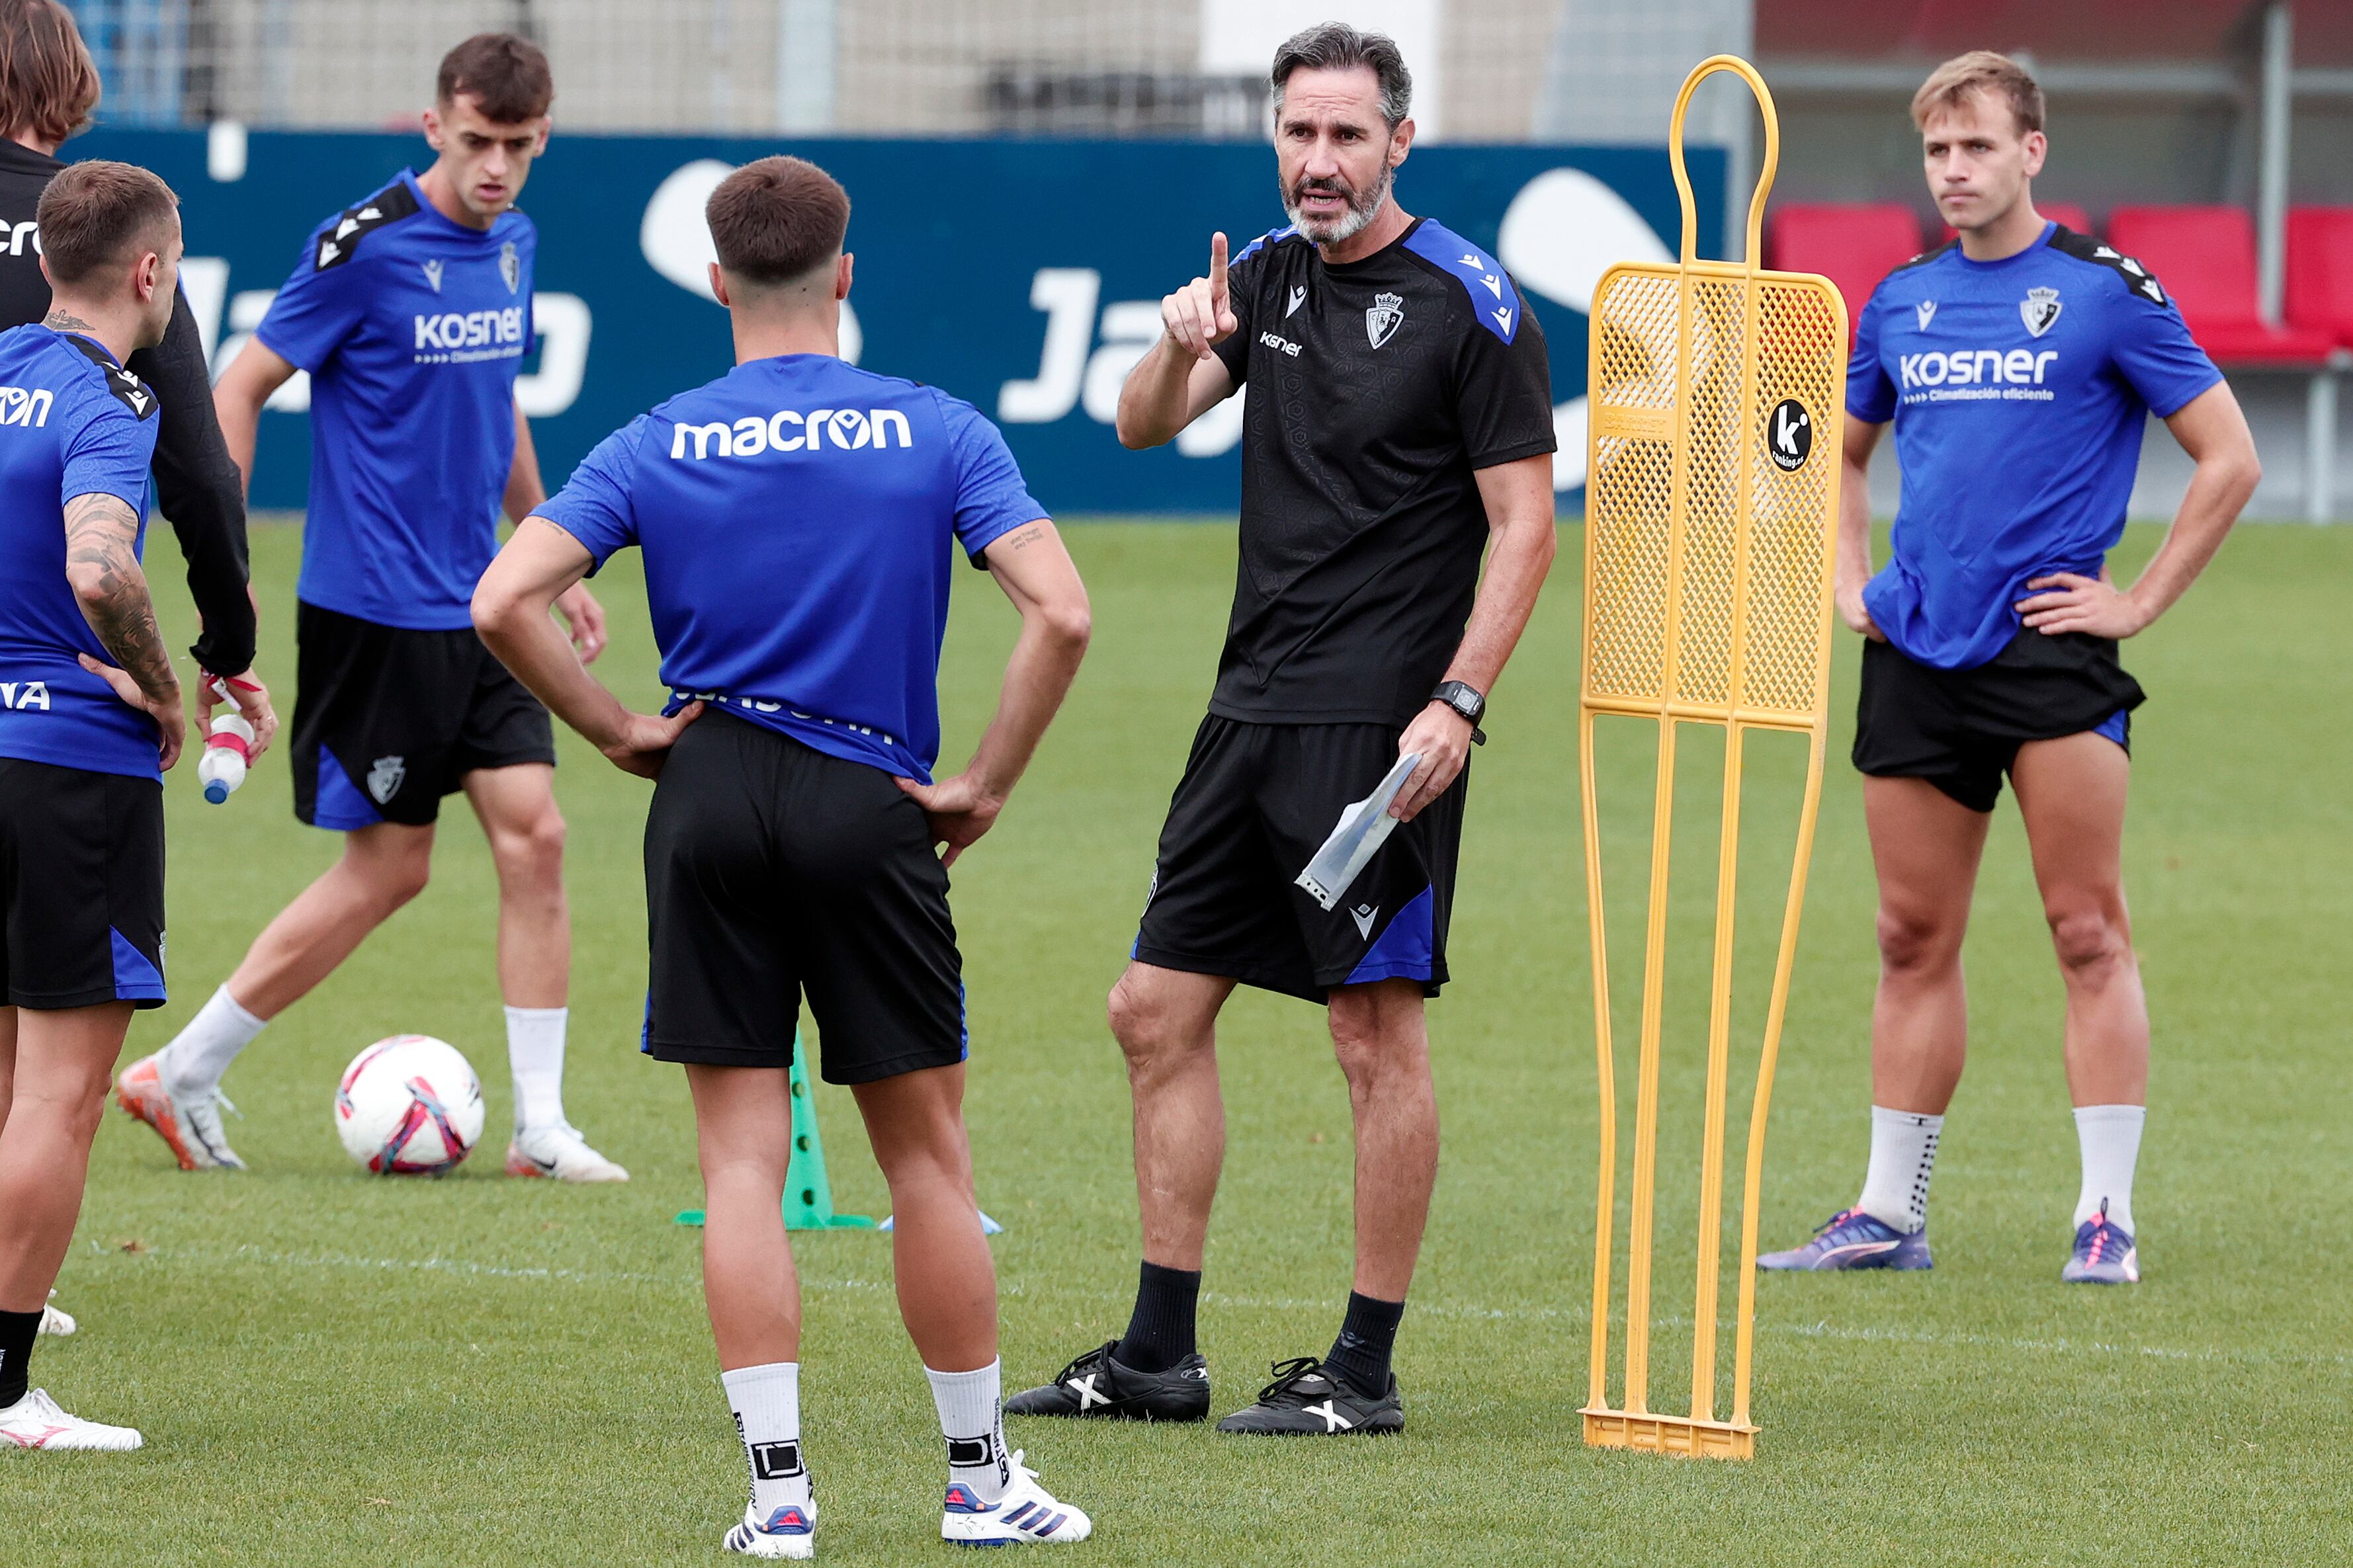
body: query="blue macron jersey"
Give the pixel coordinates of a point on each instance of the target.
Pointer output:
(798, 518)
(72, 423)
(413, 328)
(2020, 389)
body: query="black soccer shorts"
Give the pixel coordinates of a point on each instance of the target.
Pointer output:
(773, 868)
(1960, 729)
(1255, 803)
(387, 719)
(82, 887)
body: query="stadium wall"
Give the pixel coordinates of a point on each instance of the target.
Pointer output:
(991, 267)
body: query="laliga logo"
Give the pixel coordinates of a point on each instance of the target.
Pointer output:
(676, 241)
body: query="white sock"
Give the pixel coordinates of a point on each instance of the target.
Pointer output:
(1903, 1154)
(972, 1418)
(535, 1058)
(193, 1063)
(766, 1401)
(2110, 1138)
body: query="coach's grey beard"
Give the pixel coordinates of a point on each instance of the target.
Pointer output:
(1346, 228)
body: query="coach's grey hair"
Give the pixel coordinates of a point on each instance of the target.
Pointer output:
(1336, 46)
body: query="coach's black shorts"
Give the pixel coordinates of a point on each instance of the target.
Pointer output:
(388, 720)
(82, 887)
(1960, 729)
(772, 869)
(1255, 803)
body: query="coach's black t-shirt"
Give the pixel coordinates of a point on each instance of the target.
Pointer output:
(196, 482)
(1377, 388)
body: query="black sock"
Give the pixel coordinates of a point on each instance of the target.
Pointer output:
(16, 1332)
(1368, 1334)
(1160, 1330)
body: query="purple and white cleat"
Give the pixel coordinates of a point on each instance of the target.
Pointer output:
(1853, 1239)
(2105, 1254)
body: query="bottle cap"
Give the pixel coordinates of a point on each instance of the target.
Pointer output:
(218, 790)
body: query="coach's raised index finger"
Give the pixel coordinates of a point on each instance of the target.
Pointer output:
(1217, 269)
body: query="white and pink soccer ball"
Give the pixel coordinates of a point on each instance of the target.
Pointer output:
(409, 1106)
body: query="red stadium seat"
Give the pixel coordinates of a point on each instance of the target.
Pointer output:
(2320, 271)
(2067, 214)
(2205, 256)
(1853, 246)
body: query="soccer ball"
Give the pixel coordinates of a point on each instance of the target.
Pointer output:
(409, 1106)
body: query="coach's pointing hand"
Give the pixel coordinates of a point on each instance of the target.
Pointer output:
(1200, 315)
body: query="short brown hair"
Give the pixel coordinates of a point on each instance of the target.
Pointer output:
(1980, 71)
(47, 84)
(99, 214)
(505, 75)
(775, 219)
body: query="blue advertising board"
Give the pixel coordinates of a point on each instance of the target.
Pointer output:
(1022, 275)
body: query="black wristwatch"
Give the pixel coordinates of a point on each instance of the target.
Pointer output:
(1466, 699)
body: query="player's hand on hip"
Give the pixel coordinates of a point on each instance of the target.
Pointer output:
(644, 742)
(171, 723)
(586, 619)
(1200, 315)
(252, 699)
(2071, 601)
(958, 809)
(1856, 615)
(1442, 739)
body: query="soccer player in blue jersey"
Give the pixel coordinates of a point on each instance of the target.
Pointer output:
(798, 520)
(90, 717)
(2018, 364)
(412, 311)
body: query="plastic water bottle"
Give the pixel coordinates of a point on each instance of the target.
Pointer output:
(228, 749)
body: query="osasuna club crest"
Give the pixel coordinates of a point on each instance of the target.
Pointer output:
(384, 778)
(1383, 317)
(2039, 310)
(510, 267)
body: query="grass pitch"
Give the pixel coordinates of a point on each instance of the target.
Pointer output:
(479, 1370)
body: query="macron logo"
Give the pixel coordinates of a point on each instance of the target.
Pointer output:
(18, 407)
(789, 430)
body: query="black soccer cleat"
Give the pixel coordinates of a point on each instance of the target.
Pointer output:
(1095, 1386)
(1305, 1399)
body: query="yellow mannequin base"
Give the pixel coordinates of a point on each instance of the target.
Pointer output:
(1681, 1436)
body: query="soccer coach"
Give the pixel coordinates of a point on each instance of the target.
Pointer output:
(1399, 418)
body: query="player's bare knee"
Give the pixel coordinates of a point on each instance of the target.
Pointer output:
(1375, 1052)
(398, 876)
(1146, 1029)
(532, 852)
(1911, 942)
(2091, 942)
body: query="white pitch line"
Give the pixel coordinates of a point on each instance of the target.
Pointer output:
(1821, 1330)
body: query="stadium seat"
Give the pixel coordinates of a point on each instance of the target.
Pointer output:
(1853, 246)
(2205, 256)
(2320, 272)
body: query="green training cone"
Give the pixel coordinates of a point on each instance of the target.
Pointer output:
(808, 1196)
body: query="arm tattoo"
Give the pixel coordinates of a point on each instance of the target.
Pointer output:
(63, 320)
(1028, 537)
(102, 532)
